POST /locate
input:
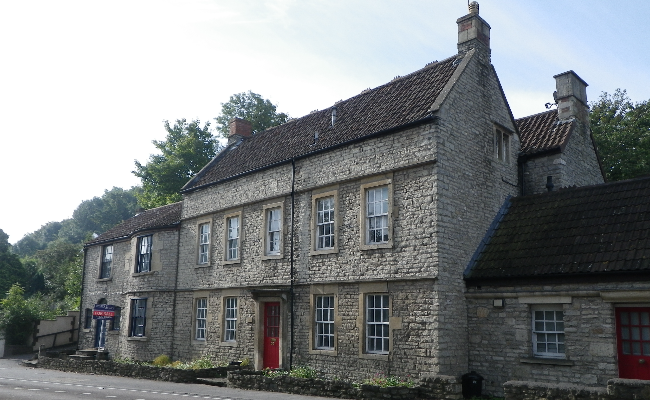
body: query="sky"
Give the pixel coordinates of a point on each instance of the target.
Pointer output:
(86, 85)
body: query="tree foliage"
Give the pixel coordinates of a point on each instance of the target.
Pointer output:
(18, 315)
(61, 265)
(251, 107)
(94, 216)
(621, 130)
(187, 148)
(11, 269)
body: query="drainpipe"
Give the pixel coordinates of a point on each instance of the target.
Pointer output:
(82, 317)
(291, 295)
(178, 250)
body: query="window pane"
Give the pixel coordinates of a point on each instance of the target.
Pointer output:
(645, 318)
(626, 348)
(634, 318)
(636, 334)
(636, 348)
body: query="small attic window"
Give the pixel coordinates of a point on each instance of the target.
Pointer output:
(501, 145)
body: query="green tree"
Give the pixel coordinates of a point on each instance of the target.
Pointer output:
(621, 130)
(187, 148)
(11, 269)
(251, 107)
(37, 240)
(18, 315)
(61, 264)
(100, 214)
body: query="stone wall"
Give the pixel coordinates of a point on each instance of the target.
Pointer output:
(617, 389)
(500, 338)
(471, 185)
(577, 165)
(124, 285)
(132, 370)
(434, 387)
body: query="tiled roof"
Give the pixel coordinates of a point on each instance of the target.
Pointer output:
(543, 132)
(402, 101)
(579, 231)
(161, 217)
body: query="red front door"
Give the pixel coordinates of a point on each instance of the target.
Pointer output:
(633, 340)
(271, 335)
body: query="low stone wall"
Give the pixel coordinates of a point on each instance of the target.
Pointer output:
(132, 370)
(617, 389)
(435, 387)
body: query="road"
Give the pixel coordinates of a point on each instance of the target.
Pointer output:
(21, 382)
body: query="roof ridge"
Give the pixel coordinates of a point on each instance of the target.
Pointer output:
(535, 115)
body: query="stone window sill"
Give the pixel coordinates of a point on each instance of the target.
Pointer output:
(272, 257)
(231, 343)
(323, 251)
(199, 266)
(137, 274)
(386, 245)
(104, 279)
(137, 338)
(323, 352)
(546, 361)
(231, 262)
(371, 356)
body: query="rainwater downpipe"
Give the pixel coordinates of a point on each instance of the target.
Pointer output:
(291, 295)
(178, 251)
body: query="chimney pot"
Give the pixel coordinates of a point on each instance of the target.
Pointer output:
(473, 7)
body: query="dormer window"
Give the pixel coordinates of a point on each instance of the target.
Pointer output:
(502, 145)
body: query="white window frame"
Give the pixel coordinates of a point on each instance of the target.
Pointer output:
(502, 144)
(325, 217)
(377, 316)
(232, 240)
(273, 230)
(138, 320)
(324, 322)
(317, 224)
(548, 330)
(267, 234)
(201, 319)
(230, 314)
(144, 254)
(106, 263)
(204, 230)
(369, 216)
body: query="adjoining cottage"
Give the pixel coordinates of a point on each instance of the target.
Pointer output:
(339, 240)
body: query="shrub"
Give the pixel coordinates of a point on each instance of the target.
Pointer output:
(303, 372)
(162, 360)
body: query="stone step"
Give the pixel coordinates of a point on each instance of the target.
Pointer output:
(81, 357)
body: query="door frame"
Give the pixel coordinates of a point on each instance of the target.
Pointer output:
(260, 303)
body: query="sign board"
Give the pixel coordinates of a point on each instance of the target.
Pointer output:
(104, 311)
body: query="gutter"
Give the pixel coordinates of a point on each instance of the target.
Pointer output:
(82, 317)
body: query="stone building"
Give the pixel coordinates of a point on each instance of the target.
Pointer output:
(349, 239)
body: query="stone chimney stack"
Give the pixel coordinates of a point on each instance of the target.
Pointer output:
(473, 31)
(239, 129)
(571, 97)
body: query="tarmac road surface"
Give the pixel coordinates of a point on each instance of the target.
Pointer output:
(18, 381)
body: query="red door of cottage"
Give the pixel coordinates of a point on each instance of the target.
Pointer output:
(633, 341)
(271, 335)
